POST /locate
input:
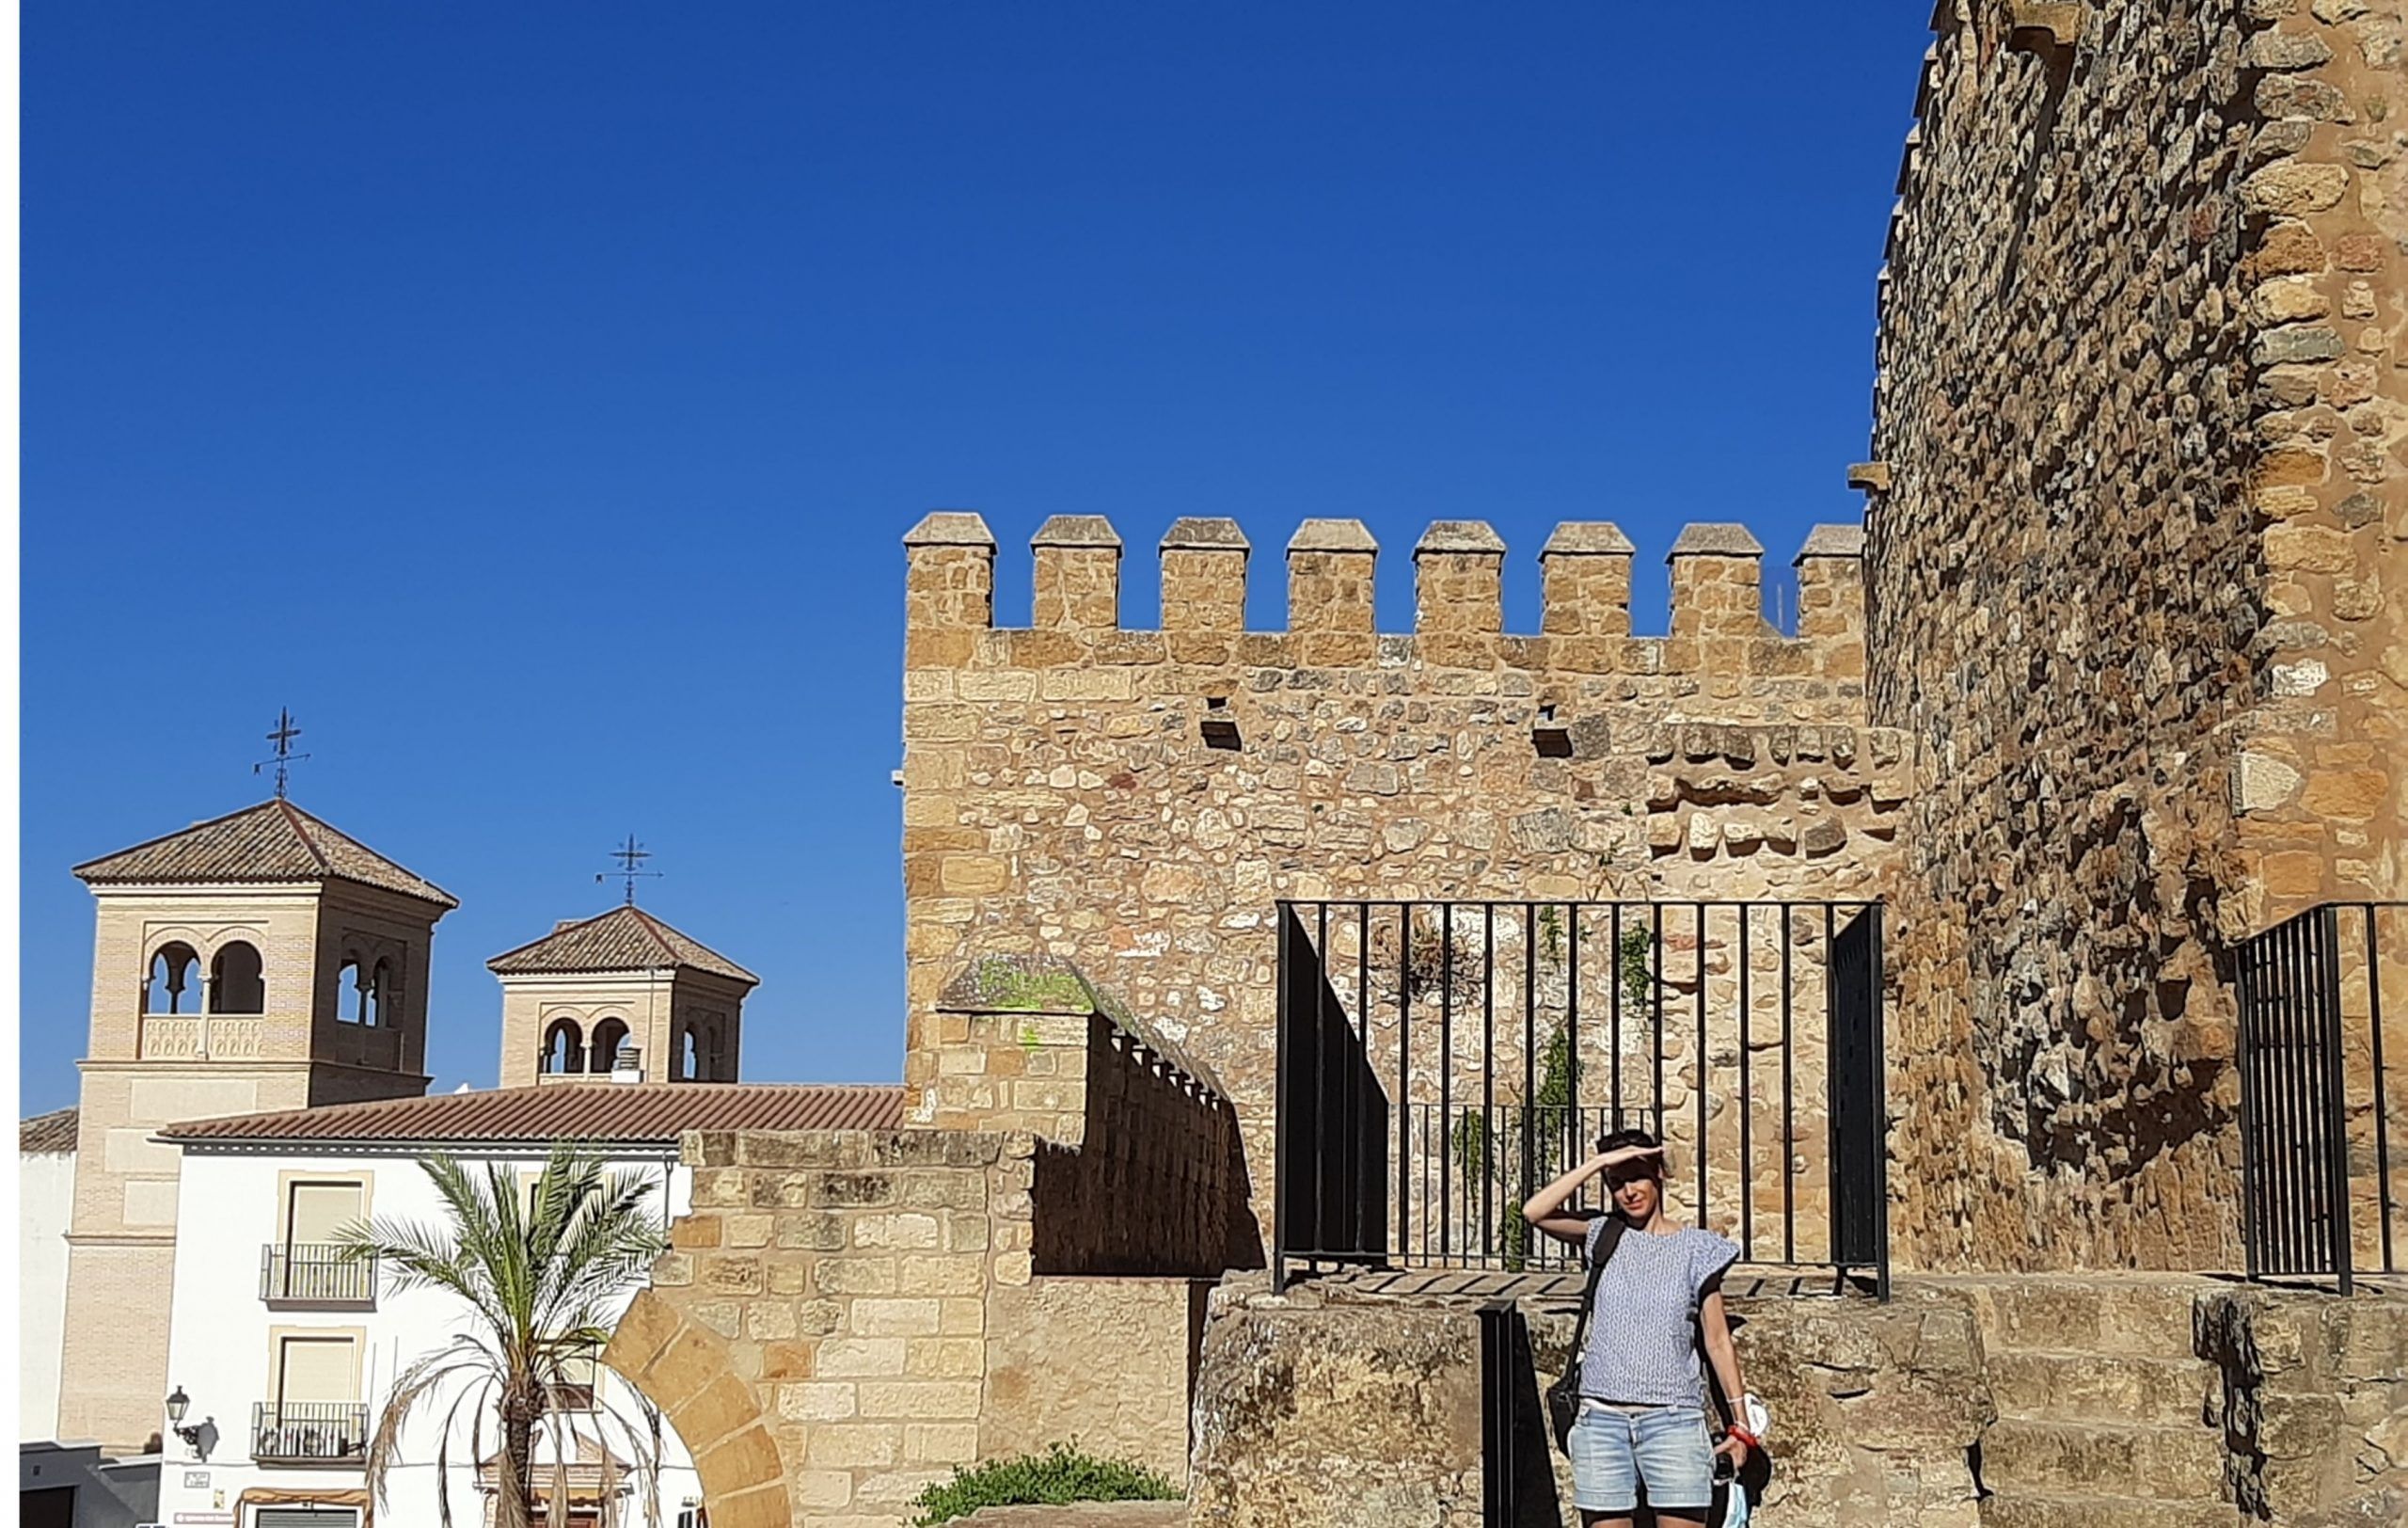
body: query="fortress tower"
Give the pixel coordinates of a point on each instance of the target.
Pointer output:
(259, 961)
(622, 994)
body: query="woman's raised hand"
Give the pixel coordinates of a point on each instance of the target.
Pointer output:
(1624, 1153)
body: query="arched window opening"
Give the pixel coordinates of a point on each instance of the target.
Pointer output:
(380, 994)
(350, 991)
(174, 972)
(684, 1067)
(564, 1047)
(235, 985)
(608, 1036)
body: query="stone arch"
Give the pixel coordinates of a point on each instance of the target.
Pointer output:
(237, 978)
(609, 1033)
(563, 1049)
(689, 1372)
(173, 972)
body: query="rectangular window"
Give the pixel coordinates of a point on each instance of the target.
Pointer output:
(316, 1208)
(316, 1369)
(575, 1391)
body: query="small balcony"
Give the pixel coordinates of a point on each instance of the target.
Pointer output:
(198, 1036)
(310, 1275)
(310, 1432)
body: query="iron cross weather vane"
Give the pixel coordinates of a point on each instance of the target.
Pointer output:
(285, 757)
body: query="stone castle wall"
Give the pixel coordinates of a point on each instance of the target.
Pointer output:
(1137, 802)
(1139, 1169)
(844, 1316)
(2135, 574)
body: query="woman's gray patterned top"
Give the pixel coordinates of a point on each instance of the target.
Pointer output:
(1642, 1342)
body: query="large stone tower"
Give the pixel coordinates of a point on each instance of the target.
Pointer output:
(260, 961)
(622, 994)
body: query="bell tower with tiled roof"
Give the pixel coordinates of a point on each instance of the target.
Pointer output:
(264, 960)
(623, 994)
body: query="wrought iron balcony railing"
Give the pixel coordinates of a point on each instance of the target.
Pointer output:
(315, 1273)
(308, 1432)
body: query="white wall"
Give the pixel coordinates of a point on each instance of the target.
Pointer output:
(219, 1339)
(45, 1200)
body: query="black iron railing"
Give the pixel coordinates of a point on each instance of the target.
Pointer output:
(1438, 1063)
(309, 1273)
(2323, 1014)
(313, 1432)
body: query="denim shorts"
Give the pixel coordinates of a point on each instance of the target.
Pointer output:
(1615, 1449)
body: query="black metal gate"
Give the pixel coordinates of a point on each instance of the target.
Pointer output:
(1438, 1063)
(1331, 1176)
(2316, 1101)
(1858, 1148)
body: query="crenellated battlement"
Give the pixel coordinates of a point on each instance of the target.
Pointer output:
(1718, 625)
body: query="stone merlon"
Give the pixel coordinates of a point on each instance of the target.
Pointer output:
(1588, 538)
(1832, 541)
(1076, 530)
(950, 528)
(1474, 536)
(1196, 534)
(1333, 535)
(1714, 539)
(1585, 568)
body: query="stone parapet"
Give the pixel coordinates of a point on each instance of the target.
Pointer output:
(1138, 1169)
(2314, 1400)
(1308, 1407)
(1717, 627)
(845, 1316)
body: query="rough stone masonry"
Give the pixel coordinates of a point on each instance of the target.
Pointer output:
(2137, 567)
(1134, 801)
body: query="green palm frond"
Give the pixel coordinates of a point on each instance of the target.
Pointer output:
(542, 1273)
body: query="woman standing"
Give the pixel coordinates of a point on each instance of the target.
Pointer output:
(1643, 1419)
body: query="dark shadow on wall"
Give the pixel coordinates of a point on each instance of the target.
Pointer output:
(1160, 1185)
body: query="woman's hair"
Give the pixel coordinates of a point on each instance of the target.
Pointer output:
(1613, 1140)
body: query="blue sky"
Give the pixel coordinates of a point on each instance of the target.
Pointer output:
(532, 396)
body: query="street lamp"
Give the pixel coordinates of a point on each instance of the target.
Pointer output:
(178, 1404)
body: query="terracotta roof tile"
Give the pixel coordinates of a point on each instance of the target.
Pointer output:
(274, 841)
(47, 1135)
(599, 1111)
(623, 939)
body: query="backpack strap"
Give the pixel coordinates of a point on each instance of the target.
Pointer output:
(1607, 1242)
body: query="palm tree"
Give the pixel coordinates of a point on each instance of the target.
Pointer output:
(540, 1272)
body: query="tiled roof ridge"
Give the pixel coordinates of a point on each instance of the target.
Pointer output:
(654, 927)
(670, 945)
(156, 839)
(49, 1134)
(596, 1110)
(230, 849)
(299, 821)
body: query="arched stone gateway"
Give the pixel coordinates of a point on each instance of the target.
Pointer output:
(690, 1373)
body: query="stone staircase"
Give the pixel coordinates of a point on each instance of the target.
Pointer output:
(2104, 1413)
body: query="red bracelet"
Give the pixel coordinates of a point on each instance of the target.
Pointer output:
(1746, 1437)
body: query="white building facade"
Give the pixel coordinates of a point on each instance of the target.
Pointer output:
(45, 1205)
(286, 1355)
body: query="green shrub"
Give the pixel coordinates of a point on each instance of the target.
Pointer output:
(1061, 1473)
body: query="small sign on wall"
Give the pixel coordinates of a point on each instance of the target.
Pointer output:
(197, 1480)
